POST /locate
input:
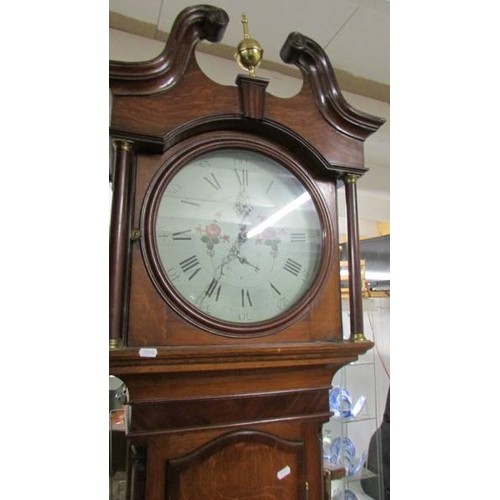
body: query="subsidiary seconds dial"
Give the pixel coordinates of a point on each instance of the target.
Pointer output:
(236, 238)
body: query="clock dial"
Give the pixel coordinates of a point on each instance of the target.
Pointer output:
(238, 236)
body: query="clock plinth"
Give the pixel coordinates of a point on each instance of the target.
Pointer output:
(225, 304)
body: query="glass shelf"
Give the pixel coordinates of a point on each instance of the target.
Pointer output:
(358, 418)
(364, 474)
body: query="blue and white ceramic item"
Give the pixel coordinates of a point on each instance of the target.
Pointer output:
(343, 451)
(341, 403)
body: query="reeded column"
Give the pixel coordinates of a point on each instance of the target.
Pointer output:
(119, 238)
(354, 263)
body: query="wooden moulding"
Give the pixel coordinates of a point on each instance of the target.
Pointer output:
(216, 357)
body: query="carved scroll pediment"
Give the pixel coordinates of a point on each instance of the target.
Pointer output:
(192, 25)
(316, 68)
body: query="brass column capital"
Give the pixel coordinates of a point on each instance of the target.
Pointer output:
(122, 144)
(350, 178)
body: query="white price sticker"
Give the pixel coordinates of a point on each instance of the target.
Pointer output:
(283, 472)
(148, 352)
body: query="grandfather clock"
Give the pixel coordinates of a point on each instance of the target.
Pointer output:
(225, 308)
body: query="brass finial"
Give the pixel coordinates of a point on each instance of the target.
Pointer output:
(249, 52)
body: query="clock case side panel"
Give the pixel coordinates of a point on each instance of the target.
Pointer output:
(154, 322)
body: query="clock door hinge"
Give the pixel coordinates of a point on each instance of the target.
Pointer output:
(135, 234)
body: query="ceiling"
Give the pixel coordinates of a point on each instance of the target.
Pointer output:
(354, 34)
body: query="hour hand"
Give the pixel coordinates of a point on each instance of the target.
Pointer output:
(245, 261)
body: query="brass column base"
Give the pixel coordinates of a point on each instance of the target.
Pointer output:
(114, 344)
(359, 337)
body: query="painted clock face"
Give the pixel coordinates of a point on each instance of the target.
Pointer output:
(238, 236)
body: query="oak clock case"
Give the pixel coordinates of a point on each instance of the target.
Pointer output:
(236, 236)
(225, 307)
